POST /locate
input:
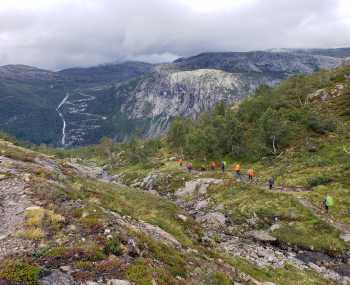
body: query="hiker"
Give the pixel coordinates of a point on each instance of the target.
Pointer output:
(327, 202)
(223, 166)
(180, 161)
(271, 182)
(189, 167)
(238, 170)
(251, 174)
(213, 166)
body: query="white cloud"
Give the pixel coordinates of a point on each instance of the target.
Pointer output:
(214, 6)
(62, 33)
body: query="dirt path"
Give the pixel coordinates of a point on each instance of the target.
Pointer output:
(344, 229)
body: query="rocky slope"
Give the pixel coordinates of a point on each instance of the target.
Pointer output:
(139, 98)
(70, 222)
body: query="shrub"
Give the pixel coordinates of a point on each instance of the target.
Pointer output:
(20, 272)
(320, 125)
(140, 272)
(320, 180)
(113, 246)
(31, 234)
(218, 278)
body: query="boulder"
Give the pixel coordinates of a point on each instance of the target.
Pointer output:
(182, 217)
(199, 186)
(159, 234)
(58, 277)
(213, 220)
(133, 249)
(261, 236)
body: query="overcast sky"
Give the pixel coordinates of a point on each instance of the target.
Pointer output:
(56, 34)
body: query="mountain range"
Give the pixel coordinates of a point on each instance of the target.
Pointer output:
(79, 106)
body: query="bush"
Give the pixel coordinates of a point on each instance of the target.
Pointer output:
(140, 272)
(219, 278)
(320, 180)
(320, 125)
(19, 272)
(113, 246)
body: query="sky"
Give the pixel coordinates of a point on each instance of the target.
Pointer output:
(57, 34)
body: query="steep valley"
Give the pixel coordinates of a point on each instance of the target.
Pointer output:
(123, 100)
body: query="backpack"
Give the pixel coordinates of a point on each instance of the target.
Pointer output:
(329, 201)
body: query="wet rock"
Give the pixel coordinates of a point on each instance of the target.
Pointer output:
(58, 277)
(213, 220)
(261, 236)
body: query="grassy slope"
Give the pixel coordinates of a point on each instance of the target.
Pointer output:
(160, 261)
(328, 166)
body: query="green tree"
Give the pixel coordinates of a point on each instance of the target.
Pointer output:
(273, 131)
(177, 134)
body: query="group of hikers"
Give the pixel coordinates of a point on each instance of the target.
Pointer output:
(251, 174)
(213, 166)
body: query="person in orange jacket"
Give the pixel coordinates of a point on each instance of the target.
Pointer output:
(251, 174)
(238, 170)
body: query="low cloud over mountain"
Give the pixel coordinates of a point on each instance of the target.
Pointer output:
(61, 33)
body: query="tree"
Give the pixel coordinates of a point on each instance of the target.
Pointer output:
(273, 131)
(177, 134)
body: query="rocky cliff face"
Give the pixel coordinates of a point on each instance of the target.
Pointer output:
(166, 95)
(120, 100)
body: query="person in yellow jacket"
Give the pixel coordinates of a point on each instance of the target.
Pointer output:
(251, 174)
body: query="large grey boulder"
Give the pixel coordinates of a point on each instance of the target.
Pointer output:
(213, 220)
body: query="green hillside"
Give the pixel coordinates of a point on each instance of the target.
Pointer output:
(132, 212)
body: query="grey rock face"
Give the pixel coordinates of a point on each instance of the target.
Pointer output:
(168, 94)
